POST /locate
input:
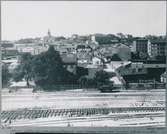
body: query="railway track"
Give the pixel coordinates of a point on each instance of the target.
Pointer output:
(90, 119)
(8, 116)
(69, 121)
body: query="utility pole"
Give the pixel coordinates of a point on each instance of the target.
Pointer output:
(166, 81)
(0, 70)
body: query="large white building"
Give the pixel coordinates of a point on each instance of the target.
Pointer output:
(151, 48)
(32, 48)
(157, 48)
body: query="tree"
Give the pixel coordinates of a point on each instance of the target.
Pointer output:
(112, 74)
(115, 57)
(105, 39)
(161, 58)
(143, 55)
(101, 77)
(129, 39)
(24, 69)
(151, 37)
(82, 81)
(17, 74)
(48, 69)
(5, 76)
(135, 56)
(121, 35)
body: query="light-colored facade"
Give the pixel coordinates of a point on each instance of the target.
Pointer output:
(96, 61)
(32, 48)
(164, 78)
(152, 48)
(64, 46)
(134, 68)
(84, 53)
(157, 48)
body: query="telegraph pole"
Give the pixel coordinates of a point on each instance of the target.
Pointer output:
(0, 70)
(166, 83)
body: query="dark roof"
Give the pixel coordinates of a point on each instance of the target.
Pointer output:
(142, 40)
(83, 47)
(159, 42)
(7, 45)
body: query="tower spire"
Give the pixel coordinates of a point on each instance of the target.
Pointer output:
(49, 33)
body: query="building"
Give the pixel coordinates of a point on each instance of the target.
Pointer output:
(84, 53)
(7, 44)
(164, 77)
(140, 46)
(11, 63)
(12, 66)
(133, 72)
(157, 48)
(92, 45)
(109, 50)
(92, 70)
(69, 62)
(65, 46)
(83, 48)
(48, 38)
(97, 61)
(8, 49)
(32, 48)
(10, 52)
(141, 71)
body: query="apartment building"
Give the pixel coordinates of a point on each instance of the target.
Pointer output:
(140, 45)
(157, 48)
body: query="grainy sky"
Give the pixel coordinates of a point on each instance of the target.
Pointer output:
(33, 19)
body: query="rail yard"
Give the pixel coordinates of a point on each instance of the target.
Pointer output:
(88, 108)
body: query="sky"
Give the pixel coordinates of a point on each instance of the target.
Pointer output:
(28, 19)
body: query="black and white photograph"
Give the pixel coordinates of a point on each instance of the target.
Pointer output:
(76, 64)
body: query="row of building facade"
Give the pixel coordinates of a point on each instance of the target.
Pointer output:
(152, 48)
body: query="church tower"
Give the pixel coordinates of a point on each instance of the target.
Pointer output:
(49, 33)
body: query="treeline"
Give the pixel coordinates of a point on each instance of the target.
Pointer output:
(125, 38)
(103, 38)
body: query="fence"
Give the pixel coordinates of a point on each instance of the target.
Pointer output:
(62, 87)
(142, 86)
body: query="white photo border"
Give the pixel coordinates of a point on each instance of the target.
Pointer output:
(85, 130)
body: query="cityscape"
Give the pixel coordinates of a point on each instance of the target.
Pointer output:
(110, 67)
(84, 80)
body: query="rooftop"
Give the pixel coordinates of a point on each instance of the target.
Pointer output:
(158, 42)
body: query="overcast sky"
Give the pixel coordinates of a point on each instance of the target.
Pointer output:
(33, 19)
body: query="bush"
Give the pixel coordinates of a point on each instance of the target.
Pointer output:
(141, 86)
(5, 76)
(101, 78)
